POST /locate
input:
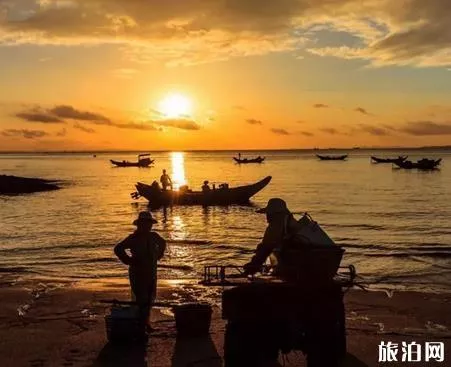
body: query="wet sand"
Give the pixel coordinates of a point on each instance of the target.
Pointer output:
(65, 327)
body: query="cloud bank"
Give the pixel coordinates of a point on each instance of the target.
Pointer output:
(24, 133)
(362, 111)
(425, 128)
(83, 119)
(280, 131)
(404, 32)
(254, 122)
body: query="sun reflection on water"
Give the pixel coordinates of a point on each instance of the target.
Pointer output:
(178, 169)
(178, 228)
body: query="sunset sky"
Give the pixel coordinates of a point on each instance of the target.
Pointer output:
(225, 74)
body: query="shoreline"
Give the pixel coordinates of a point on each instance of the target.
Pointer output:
(65, 326)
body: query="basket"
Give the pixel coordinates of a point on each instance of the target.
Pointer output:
(318, 264)
(124, 325)
(192, 319)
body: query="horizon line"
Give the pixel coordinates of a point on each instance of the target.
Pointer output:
(100, 151)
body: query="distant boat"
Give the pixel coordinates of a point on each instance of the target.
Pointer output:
(332, 157)
(246, 160)
(388, 160)
(422, 164)
(221, 196)
(143, 161)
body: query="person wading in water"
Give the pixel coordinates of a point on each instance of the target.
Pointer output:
(165, 180)
(146, 248)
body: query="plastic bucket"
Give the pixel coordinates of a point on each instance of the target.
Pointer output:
(123, 325)
(192, 319)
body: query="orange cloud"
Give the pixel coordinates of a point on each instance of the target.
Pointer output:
(25, 133)
(414, 32)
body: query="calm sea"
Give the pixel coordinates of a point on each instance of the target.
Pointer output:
(394, 224)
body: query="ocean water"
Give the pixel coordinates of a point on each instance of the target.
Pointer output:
(395, 225)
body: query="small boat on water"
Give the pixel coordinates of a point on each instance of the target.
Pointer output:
(388, 160)
(246, 160)
(224, 195)
(332, 157)
(143, 161)
(422, 164)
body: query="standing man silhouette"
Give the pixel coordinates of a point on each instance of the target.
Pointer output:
(141, 251)
(165, 180)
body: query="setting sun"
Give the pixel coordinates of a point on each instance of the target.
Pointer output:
(175, 105)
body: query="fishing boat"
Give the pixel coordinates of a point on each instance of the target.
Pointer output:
(332, 157)
(143, 161)
(422, 164)
(246, 160)
(224, 195)
(388, 160)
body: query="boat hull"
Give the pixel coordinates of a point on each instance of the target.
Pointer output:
(246, 161)
(429, 164)
(332, 158)
(225, 196)
(388, 160)
(146, 163)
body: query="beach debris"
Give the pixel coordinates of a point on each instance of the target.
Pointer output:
(430, 326)
(381, 327)
(88, 313)
(355, 317)
(389, 292)
(166, 311)
(36, 294)
(22, 310)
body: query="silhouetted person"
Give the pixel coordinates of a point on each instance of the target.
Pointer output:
(146, 248)
(205, 187)
(281, 224)
(165, 180)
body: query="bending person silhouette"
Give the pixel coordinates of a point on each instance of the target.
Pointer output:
(281, 226)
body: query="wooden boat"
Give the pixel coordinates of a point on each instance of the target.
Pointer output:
(422, 164)
(246, 160)
(332, 158)
(220, 196)
(388, 160)
(143, 161)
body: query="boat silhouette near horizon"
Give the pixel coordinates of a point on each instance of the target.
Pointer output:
(388, 160)
(332, 157)
(422, 164)
(143, 161)
(249, 160)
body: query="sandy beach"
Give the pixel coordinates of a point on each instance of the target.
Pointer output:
(65, 327)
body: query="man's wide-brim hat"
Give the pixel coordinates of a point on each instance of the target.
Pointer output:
(144, 217)
(275, 205)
